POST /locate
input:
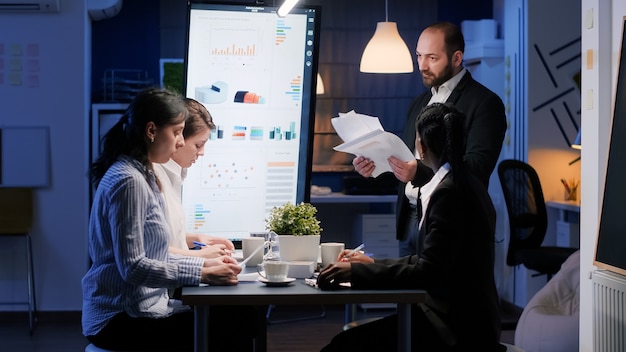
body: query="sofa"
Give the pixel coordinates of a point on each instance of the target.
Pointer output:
(550, 320)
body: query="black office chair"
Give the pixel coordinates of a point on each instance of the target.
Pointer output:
(528, 220)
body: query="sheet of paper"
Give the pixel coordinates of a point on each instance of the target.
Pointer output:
(350, 125)
(378, 146)
(364, 135)
(248, 277)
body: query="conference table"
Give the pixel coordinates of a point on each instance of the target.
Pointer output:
(296, 293)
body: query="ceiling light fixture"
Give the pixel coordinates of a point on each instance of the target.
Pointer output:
(386, 52)
(284, 9)
(319, 86)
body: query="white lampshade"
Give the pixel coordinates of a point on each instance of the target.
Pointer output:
(386, 52)
(320, 85)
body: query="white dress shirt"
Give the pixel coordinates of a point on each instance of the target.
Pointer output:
(428, 189)
(440, 95)
(171, 177)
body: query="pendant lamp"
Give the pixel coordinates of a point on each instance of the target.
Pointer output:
(319, 87)
(386, 52)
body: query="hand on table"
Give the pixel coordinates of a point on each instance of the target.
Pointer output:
(221, 271)
(347, 255)
(211, 240)
(333, 275)
(212, 251)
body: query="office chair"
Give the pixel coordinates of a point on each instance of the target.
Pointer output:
(528, 220)
(16, 220)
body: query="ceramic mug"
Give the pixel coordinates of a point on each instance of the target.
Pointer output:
(248, 247)
(273, 271)
(329, 252)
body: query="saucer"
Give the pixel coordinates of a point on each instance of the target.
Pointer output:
(277, 283)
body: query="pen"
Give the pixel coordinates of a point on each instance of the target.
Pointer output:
(352, 252)
(253, 253)
(199, 243)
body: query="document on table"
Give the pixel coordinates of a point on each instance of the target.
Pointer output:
(363, 135)
(248, 277)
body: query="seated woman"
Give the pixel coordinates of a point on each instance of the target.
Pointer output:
(126, 304)
(196, 133)
(198, 126)
(454, 259)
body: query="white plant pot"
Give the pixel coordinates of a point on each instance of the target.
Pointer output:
(299, 248)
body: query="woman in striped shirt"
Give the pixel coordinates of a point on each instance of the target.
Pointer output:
(126, 305)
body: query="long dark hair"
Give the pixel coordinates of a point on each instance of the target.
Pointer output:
(128, 137)
(442, 130)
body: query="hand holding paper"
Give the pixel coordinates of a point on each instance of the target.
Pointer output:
(363, 135)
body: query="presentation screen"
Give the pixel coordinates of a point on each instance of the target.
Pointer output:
(255, 73)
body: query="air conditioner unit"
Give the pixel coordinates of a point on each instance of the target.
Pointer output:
(30, 6)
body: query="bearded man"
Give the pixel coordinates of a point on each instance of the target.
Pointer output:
(439, 52)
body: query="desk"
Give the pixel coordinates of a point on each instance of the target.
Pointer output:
(337, 197)
(340, 214)
(566, 223)
(255, 293)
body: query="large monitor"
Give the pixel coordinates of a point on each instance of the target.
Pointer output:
(255, 73)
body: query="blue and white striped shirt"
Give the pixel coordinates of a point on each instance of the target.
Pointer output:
(128, 245)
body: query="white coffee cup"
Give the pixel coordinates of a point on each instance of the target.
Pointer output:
(274, 271)
(248, 246)
(329, 252)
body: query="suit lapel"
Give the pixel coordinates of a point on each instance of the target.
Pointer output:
(458, 90)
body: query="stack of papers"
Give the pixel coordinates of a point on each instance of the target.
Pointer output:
(363, 135)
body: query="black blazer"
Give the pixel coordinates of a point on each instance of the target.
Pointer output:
(455, 265)
(485, 122)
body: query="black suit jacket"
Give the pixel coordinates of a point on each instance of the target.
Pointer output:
(485, 123)
(455, 264)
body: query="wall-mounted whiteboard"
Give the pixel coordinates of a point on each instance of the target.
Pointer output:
(24, 156)
(256, 74)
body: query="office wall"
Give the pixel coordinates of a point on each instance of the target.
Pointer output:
(55, 90)
(601, 23)
(543, 105)
(553, 109)
(44, 81)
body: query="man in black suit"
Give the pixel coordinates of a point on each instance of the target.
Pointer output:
(453, 262)
(439, 52)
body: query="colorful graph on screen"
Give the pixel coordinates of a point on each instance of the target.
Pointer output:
(281, 31)
(295, 89)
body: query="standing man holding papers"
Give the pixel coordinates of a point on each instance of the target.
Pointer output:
(439, 52)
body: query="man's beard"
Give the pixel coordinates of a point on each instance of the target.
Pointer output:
(436, 81)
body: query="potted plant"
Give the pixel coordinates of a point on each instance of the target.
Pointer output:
(298, 231)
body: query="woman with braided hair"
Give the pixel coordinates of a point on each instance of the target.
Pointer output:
(454, 260)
